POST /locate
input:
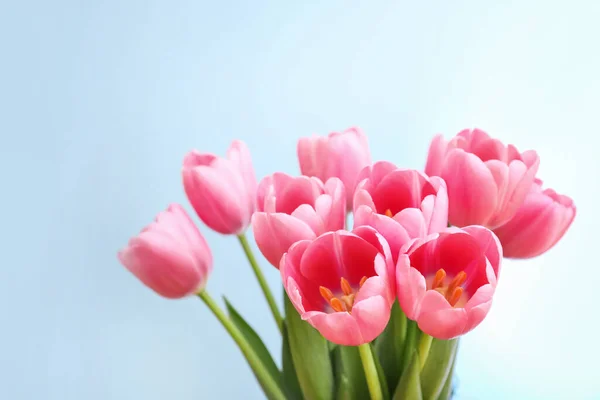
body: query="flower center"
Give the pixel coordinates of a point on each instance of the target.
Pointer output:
(388, 213)
(346, 300)
(453, 291)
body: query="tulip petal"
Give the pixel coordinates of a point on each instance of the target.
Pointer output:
(338, 254)
(372, 316)
(308, 215)
(362, 198)
(239, 154)
(438, 220)
(335, 218)
(436, 156)
(394, 233)
(337, 327)
(444, 324)
(538, 225)
(489, 244)
(276, 233)
(410, 287)
(471, 189)
(413, 221)
(478, 306)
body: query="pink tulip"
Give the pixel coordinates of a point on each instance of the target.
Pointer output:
(539, 224)
(446, 281)
(340, 155)
(170, 256)
(401, 204)
(221, 190)
(340, 283)
(293, 209)
(487, 181)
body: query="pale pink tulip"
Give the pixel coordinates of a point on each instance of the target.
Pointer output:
(221, 190)
(170, 256)
(487, 181)
(539, 224)
(401, 204)
(340, 283)
(295, 208)
(446, 281)
(339, 154)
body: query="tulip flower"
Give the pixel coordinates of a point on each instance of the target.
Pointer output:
(401, 204)
(340, 154)
(446, 281)
(295, 208)
(539, 224)
(340, 283)
(170, 256)
(487, 181)
(221, 190)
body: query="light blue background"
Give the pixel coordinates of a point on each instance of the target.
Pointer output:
(100, 100)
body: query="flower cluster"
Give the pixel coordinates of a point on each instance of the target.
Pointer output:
(344, 281)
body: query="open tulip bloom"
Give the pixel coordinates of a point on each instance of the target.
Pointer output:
(375, 311)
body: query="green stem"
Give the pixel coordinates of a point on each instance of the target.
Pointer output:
(261, 281)
(409, 344)
(424, 346)
(257, 366)
(366, 355)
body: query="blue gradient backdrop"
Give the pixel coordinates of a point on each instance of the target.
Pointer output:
(99, 101)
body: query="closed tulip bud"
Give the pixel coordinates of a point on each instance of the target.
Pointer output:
(340, 154)
(170, 256)
(221, 190)
(539, 224)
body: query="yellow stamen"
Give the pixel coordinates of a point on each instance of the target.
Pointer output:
(388, 213)
(455, 296)
(348, 302)
(438, 280)
(326, 293)
(345, 285)
(458, 280)
(362, 281)
(336, 304)
(345, 302)
(454, 291)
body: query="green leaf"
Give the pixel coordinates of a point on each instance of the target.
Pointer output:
(344, 389)
(437, 367)
(290, 380)
(410, 343)
(351, 380)
(310, 354)
(389, 346)
(448, 386)
(409, 387)
(255, 342)
(380, 373)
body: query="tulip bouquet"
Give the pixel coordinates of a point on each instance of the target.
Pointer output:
(374, 310)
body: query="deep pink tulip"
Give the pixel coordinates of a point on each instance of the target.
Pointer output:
(295, 208)
(539, 224)
(221, 190)
(487, 181)
(446, 281)
(340, 283)
(339, 154)
(401, 204)
(170, 255)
